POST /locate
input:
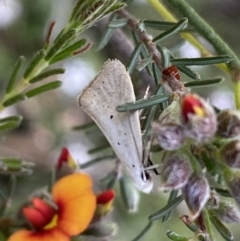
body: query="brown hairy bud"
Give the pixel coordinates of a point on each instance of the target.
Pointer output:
(196, 194)
(175, 171)
(198, 118)
(231, 154)
(228, 123)
(168, 130)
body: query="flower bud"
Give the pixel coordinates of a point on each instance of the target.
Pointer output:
(227, 212)
(66, 164)
(228, 123)
(232, 179)
(231, 154)
(196, 194)
(168, 130)
(175, 171)
(104, 203)
(198, 118)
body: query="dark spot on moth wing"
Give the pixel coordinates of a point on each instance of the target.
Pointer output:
(111, 116)
(133, 165)
(119, 143)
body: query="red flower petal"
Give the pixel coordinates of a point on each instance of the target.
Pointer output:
(105, 197)
(191, 104)
(63, 157)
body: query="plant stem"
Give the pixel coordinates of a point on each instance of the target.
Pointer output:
(146, 39)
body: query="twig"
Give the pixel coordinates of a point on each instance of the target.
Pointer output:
(146, 39)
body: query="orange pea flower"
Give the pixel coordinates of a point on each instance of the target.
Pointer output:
(72, 212)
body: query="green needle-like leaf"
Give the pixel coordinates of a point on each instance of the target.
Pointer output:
(144, 231)
(36, 59)
(144, 62)
(223, 192)
(182, 24)
(176, 237)
(166, 209)
(143, 103)
(107, 35)
(68, 51)
(99, 148)
(222, 229)
(83, 127)
(46, 74)
(163, 25)
(10, 122)
(172, 196)
(43, 88)
(14, 99)
(187, 71)
(202, 61)
(203, 83)
(134, 57)
(13, 78)
(119, 23)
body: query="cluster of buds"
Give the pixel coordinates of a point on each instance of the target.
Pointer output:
(191, 117)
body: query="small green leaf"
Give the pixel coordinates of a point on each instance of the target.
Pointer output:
(156, 73)
(43, 88)
(143, 232)
(60, 43)
(13, 78)
(134, 57)
(204, 83)
(163, 25)
(36, 59)
(166, 209)
(10, 122)
(96, 160)
(107, 35)
(223, 192)
(99, 148)
(118, 23)
(202, 61)
(165, 57)
(176, 237)
(143, 103)
(144, 62)
(14, 99)
(187, 71)
(152, 111)
(222, 229)
(68, 51)
(172, 196)
(46, 74)
(83, 127)
(182, 24)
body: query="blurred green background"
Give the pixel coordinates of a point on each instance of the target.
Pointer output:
(49, 118)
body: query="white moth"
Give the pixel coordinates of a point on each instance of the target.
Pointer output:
(110, 88)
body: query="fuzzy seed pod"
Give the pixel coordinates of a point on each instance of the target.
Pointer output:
(198, 118)
(168, 130)
(227, 212)
(231, 154)
(196, 194)
(175, 172)
(228, 123)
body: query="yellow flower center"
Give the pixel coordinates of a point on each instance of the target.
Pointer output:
(52, 223)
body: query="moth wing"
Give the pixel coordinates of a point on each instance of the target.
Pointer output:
(113, 87)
